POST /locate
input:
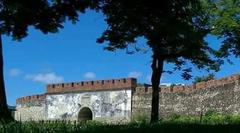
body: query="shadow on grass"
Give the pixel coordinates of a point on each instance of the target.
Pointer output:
(94, 127)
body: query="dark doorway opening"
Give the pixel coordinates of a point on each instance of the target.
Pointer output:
(85, 114)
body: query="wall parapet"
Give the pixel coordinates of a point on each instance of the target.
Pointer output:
(192, 87)
(33, 98)
(92, 85)
(142, 89)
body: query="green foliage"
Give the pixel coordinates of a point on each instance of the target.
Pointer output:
(204, 78)
(45, 15)
(213, 122)
(140, 118)
(224, 23)
(211, 117)
(175, 118)
(174, 30)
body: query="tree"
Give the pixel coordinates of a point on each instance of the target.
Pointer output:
(174, 31)
(224, 22)
(15, 17)
(208, 77)
(45, 15)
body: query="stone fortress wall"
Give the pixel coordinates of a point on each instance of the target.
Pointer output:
(30, 108)
(108, 100)
(222, 95)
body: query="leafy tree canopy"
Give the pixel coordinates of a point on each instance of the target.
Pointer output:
(45, 15)
(175, 30)
(224, 21)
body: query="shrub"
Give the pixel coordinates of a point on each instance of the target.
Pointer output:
(140, 118)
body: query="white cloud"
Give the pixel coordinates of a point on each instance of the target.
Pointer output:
(14, 72)
(166, 84)
(46, 78)
(134, 74)
(89, 75)
(149, 78)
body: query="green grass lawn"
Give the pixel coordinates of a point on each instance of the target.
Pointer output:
(38, 127)
(209, 123)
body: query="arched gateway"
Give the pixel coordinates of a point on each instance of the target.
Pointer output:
(101, 100)
(85, 114)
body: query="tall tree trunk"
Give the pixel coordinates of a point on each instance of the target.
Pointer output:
(157, 69)
(5, 114)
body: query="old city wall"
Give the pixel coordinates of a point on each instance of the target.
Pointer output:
(107, 106)
(221, 95)
(30, 108)
(109, 100)
(120, 97)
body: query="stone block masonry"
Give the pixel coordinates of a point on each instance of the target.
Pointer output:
(222, 95)
(30, 108)
(115, 104)
(121, 99)
(102, 100)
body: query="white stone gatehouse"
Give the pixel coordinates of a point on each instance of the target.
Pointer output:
(105, 100)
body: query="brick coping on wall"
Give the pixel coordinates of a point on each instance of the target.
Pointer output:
(73, 87)
(32, 98)
(124, 83)
(87, 90)
(186, 88)
(92, 85)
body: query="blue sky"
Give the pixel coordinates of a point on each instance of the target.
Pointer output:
(73, 55)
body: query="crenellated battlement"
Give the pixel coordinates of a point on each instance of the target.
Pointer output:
(122, 84)
(32, 98)
(142, 89)
(197, 86)
(92, 85)
(61, 101)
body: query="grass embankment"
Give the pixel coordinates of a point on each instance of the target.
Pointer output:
(209, 123)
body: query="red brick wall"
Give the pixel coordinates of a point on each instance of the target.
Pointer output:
(88, 85)
(125, 83)
(200, 85)
(93, 85)
(31, 98)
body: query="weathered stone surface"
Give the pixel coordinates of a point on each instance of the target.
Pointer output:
(31, 110)
(141, 105)
(122, 104)
(102, 100)
(103, 104)
(224, 98)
